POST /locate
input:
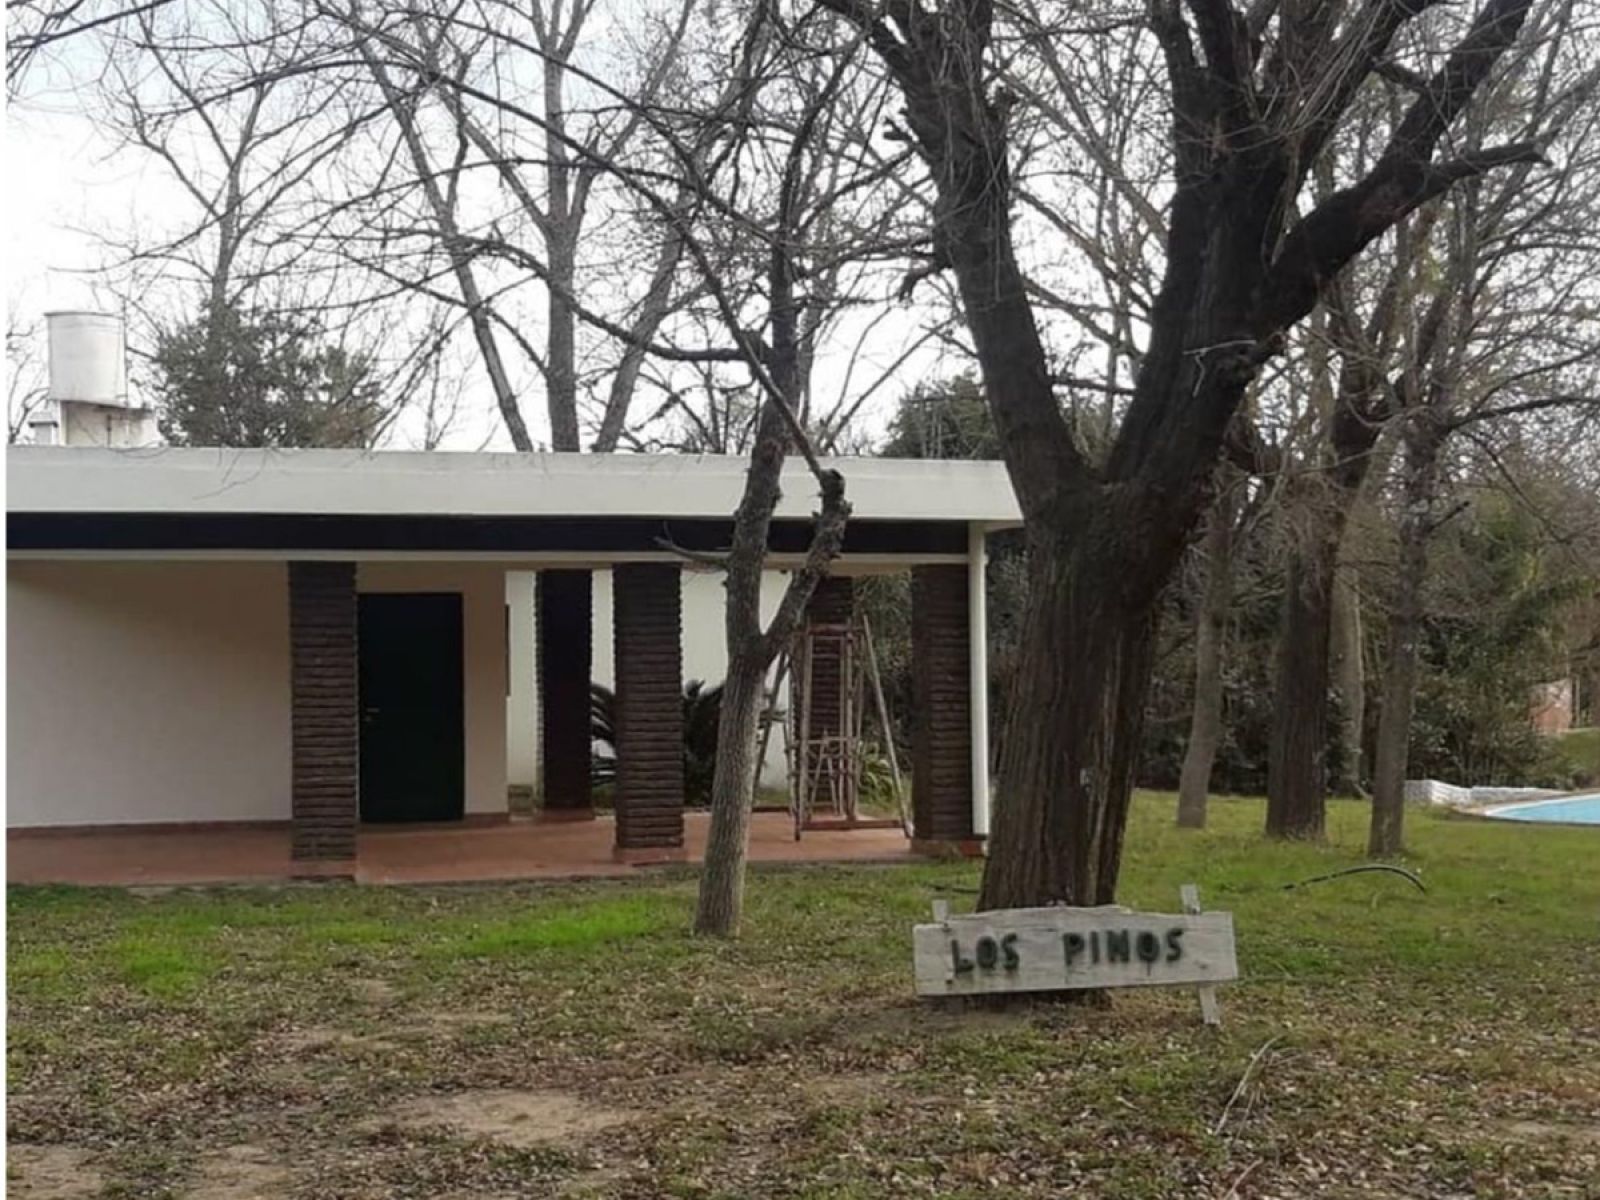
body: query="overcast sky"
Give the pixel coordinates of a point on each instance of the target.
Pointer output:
(69, 186)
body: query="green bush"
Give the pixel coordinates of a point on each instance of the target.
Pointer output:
(702, 710)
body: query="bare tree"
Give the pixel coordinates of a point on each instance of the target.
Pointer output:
(770, 251)
(1229, 521)
(546, 159)
(1254, 105)
(1352, 411)
(805, 243)
(1508, 331)
(1531, 99)
(240, 158)
(1427, 302)
(34, 27)
(195, 90)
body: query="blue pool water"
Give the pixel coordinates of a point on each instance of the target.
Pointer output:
(1573, 810)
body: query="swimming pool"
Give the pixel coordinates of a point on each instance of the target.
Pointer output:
(1569, 810)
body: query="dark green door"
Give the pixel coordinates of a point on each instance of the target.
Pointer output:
(412, 741)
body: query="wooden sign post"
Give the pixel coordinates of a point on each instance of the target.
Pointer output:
(1052, 949)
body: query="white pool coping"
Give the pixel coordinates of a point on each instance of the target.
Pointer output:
(1502, 810)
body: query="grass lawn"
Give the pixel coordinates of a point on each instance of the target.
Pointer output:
(574, 1041)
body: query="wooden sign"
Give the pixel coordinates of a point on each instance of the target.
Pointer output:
(1050, 949)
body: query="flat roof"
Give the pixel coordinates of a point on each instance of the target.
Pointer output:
(327, 483)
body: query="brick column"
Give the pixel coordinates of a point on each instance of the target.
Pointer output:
(647, 619)
(564, 629)
(325, 738)
(941, 751)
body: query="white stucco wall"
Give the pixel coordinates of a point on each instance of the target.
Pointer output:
(159, 692)
(155, 692)
(483, 656)
(146, 692)
(705, 656)
(705, 646)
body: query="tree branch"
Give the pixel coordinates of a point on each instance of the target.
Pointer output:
(1342, 225)
(1525, 406)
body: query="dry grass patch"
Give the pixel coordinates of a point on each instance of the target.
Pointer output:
(523, 1119)
(50, 1173)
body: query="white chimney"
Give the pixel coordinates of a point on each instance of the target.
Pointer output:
(89, 382)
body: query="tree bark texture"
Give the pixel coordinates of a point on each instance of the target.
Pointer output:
(563, 219)
(1402, 655)
(1318, 506)
(1077, 710)
(751, 651)
(1298, 750)
(1211, 625)
(721, 902)
(1350, 685)
(561, 351)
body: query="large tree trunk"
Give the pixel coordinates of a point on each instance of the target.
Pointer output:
(1401, 660)
(1077, 709)
(1297, 753)
(1211, 623)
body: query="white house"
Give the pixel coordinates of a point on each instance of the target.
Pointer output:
(318, 638)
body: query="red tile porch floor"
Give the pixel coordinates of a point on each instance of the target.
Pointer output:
(518, 849)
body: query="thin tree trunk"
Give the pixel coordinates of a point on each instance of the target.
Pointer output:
(721, 900)
(1211, 623)
(733, 105)
(1350, 684)
(561, 350)
(1386, 833)
(652, 312)
(561, 230)
(733, 781)
(1401, 660)
(751, 650)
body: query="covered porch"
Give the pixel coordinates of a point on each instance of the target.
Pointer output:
(305, 663)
